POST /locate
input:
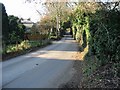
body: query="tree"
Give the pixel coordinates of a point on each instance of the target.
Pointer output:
(16, 29)
(57, 11)
(5, 25)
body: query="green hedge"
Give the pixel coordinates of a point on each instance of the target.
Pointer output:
(99, 29)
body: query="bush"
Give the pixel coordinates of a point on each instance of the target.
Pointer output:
(99, 29)
(35, 43)
(105, 32)
(22, 46)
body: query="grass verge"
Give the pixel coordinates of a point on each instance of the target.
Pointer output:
(23, 48)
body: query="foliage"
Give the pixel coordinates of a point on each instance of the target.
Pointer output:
(57, 15)
(37, 36)
(5, 25)
(48, 21)
(89, 65)
(80, 21)
(39, 31)
(16, 30)
(98, 27)
(95, 75)
(106, 37)
(64, 25)
(24, 45)
(12, 28)
(35, 43)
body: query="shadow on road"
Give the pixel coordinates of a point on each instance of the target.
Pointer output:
(46, 68)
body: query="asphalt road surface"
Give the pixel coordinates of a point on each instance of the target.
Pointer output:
(48, 67)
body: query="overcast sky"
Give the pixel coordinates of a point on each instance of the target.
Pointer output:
(21, 9)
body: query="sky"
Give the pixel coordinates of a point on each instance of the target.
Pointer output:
(25, 10)
(21, 9)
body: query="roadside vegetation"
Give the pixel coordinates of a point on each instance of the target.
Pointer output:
(96, 28)
(16, 39)
(94, 25)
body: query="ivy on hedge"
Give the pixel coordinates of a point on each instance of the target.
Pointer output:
(99, 29)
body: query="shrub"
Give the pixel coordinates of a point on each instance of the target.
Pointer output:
(99, 29)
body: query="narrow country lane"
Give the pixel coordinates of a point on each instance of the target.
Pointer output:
(46, 68)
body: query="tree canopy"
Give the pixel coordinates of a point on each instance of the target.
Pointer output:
(5, 24)
(12, 28)
(16, 29)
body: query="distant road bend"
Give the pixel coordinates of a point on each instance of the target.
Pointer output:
(48, 67)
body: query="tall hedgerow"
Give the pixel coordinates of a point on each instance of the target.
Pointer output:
(98, 28)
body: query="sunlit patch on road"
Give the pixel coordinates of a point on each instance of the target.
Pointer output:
(62, 55)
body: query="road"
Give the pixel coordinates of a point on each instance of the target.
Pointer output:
(48, 67)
